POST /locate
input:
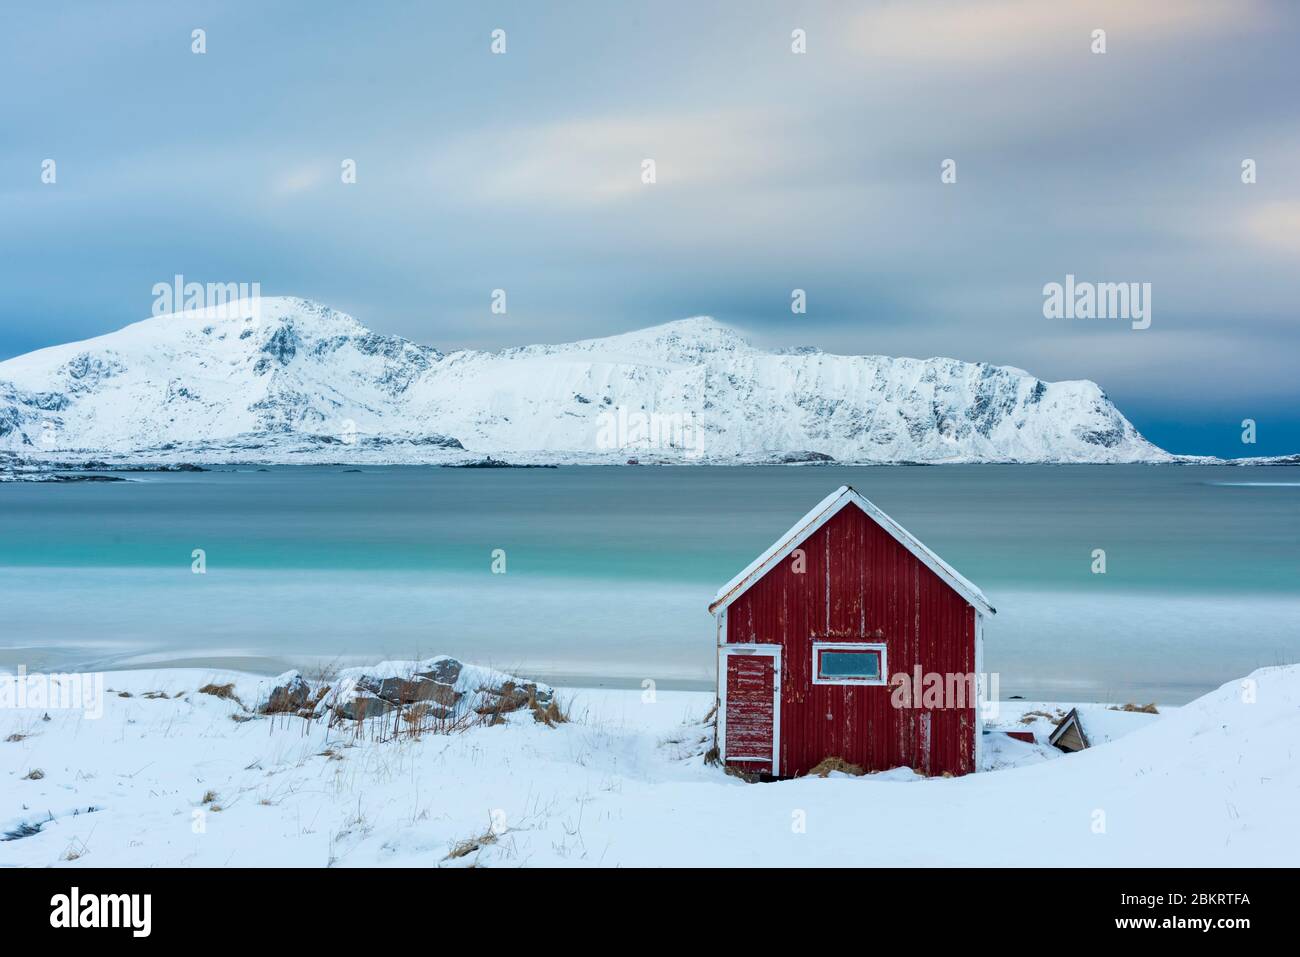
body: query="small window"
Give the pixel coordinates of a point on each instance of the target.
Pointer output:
(842, 663)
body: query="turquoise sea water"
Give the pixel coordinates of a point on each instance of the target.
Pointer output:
(609, 570)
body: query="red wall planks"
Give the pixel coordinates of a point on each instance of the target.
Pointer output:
(860, 584)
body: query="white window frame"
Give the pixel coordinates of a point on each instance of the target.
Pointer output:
(774, 652)
(820, 646)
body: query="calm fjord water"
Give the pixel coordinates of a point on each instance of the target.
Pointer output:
(610, 570)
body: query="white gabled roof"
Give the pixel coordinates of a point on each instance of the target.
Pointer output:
(1073, 719)
(822, 513)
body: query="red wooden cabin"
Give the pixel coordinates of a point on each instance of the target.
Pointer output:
(831, 642)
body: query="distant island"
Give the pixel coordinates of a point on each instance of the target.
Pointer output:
(282, 381)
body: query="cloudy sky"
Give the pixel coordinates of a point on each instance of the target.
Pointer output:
(775, 171)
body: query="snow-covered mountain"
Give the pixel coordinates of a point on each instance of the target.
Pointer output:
(297, 381)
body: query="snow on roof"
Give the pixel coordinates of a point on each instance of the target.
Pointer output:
(821, 513)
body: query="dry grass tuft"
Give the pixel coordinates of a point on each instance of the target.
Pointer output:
(493, 712)
(35, 774)
(470, 845)
(1030, 716)
(825, 766)
(17, 736)
(208, 797)
(414, 714)
(713, 756)
(551, 715)
(1139, 708)
(225, 692)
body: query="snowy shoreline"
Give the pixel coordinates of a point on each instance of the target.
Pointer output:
(85, 463)
(89, 465)
(170, 775)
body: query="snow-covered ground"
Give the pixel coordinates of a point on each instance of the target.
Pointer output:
(171, 776)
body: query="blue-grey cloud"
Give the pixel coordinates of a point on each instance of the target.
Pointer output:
(775, 171)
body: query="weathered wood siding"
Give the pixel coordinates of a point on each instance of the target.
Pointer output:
(750, 717)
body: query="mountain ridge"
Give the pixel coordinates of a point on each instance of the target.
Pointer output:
(286, 379)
